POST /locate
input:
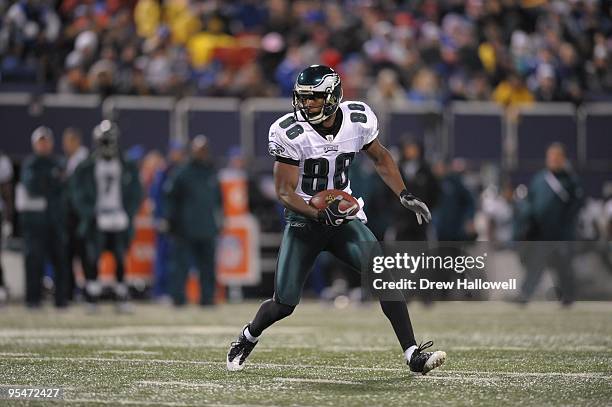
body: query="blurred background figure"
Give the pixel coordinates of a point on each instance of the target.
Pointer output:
(161, 274)
(453, 217)
(194, 217)
(420, 181)
(554, 199)
(107, 195)
(6, 212)
(387, 92)
(512, 91)
(425, 87)
(608, 211)
(74, 154)
(498, 208)
(40, 201)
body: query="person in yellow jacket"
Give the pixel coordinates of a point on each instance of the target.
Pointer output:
(202, 45)
(147, 17)
(512, 92)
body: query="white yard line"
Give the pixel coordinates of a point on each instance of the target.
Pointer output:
(204, 363)
(128, 402)
(291, 366)
(535, 374)
(157, 403)
(17, 354)
(137, 330)
(128, 352)
(582, 348)
(177, 383)
(480, 380)
(301, 380)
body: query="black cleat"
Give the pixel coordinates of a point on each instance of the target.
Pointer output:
(239, 351)
(423, 362)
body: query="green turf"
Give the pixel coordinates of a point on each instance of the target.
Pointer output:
(498, 354)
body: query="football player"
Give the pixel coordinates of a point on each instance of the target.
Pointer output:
(313, 149)
(106, 193)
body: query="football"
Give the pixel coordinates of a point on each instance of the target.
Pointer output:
(322, 199)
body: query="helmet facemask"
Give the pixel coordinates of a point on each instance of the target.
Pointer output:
(106, 140)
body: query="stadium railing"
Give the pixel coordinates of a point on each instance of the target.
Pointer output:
(479, 132)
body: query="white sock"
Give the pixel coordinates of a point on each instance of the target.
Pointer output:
(121, 290)
(250, 337)
(409, 351)
(93, 288)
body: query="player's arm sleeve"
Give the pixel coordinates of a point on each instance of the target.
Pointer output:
(281, 149)
(370, 128)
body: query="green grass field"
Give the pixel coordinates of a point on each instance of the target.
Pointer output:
(498, 354)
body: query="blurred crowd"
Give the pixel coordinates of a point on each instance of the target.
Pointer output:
(388, 52)
(73, 208)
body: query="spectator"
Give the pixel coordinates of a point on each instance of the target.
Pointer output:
(191, 191)
(553, 201)
(102, 74)
(478, 88)
(86, 47)
(388, 92)
(28, 31)
(571, 72)
(547, 89)
(425, 87)
(288, 70)
(599, 72)
(512, 92)
(147, 16)
(202, 45)
(40, 202)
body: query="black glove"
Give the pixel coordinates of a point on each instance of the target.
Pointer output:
(415, 205)
(333, 216)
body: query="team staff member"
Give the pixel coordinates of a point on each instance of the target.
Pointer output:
(40, 200)
(554, 199)
(161, 283)
(193, 213)
(74, 154)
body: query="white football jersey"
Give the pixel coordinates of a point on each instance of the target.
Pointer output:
(109, 206)
(324, 162)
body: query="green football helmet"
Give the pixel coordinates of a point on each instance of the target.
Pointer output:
(317, 81)
(106, 139)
